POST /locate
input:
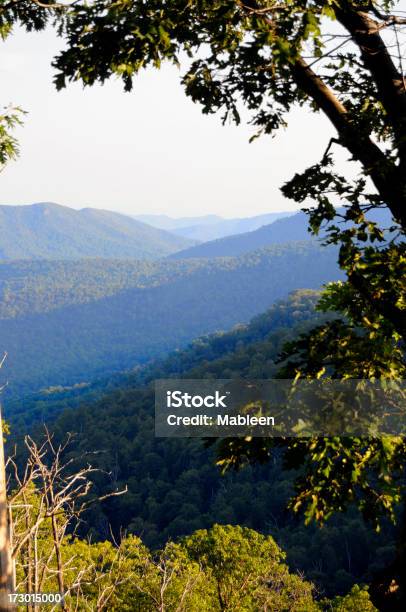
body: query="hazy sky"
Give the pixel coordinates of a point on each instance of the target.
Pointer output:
(150, 151)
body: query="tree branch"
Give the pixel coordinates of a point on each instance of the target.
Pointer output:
(390, 83)
(384, 173)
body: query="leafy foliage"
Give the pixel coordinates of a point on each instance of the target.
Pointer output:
(356, 601)
(9, 119)
(224, 568)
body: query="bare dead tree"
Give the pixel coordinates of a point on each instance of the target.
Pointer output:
(48, 501)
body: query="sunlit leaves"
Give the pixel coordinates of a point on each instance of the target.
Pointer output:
(10, 118)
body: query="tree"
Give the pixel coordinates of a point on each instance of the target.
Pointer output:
(357, 600)
(31, 15)
(45, 505)
(6, 563)
(247, 570)
(7, 578)
(9, 119)
(342, 58)
(167, 580)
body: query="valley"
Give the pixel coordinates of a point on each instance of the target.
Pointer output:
(67, 322)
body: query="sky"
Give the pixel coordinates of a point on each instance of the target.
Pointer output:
(149, 151)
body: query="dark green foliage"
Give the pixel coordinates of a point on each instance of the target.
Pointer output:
(66, 322)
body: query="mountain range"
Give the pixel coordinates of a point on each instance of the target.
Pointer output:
(170, 224)
(47, 230)
(87, 335)
(50, 231)
(287, 229)
(210, 227)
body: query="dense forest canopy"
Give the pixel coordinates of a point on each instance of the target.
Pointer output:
(213, 352)
(221, 568)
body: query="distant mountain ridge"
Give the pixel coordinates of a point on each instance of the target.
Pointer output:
(47, 230)
(211, 227)
(288, 229)
(176, 223)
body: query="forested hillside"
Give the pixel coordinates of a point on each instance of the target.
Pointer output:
(38, 286)
(215, 351)
(64, 323)
(96, 510)
(174, 487)
(47, 230)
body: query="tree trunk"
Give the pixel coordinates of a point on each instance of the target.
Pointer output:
(59, 561)
(6, 562)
